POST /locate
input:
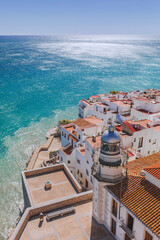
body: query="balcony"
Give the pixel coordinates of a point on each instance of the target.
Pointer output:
(127, 230)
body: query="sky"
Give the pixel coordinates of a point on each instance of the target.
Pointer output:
(56, 17)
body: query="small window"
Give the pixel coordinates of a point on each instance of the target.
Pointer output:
(79, 137)
(62, 133)
(81, 175)
(78, 171)
(149, 140)
(68, 137)
(87, 172)
(69, 162)
(65, 135)
(114, 207)
(81, 182)
(86, 183)
(148, 152)
(61, 159)
(130, 222)
(87, 162)
(140, 144)
(78, 161)
(147, 236)
(134, 139)
(113, 226)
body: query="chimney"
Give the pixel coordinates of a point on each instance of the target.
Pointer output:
(93, 138)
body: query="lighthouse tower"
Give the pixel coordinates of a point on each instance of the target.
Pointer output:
(109, 171)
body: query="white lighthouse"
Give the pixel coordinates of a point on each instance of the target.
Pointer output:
(109, 171)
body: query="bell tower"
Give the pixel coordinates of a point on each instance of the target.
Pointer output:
(109, 171)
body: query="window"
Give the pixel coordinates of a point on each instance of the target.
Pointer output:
(68, 137)
(87, 162)
(61, 159)
(154, 142)
(149, 140)
(134, 139)
(148, 152)
(87, 172)
(81, 182)
(78, 171)
(110, 147)
(78, 161)
(65, 135)
(69, 162)
(62, 133)
(81, 175)
(140, 144)
(96, 108)
(86, 183)
(147, 236)
(113, 226)
(114, 207)
(130, 222)
(79, 137)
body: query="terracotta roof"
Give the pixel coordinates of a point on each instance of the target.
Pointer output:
(85, 101)
(154, 170)
(129, 126)
(142, 198)
(96, 144)
(119, 128)
(95, 96)
(136, 166)
(81, 122)
(93, 120)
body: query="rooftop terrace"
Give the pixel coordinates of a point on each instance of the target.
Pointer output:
(79, 226)
(62, 184)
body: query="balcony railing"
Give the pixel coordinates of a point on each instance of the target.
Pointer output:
(127, 230)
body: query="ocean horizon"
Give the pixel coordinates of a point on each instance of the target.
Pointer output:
(42, 80)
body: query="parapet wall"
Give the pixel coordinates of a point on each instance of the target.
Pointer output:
(49, 206)
(28, 201)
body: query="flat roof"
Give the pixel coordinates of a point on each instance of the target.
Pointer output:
(78, 226)
(62, 184)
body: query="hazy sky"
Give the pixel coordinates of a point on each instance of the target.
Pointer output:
(80, 17)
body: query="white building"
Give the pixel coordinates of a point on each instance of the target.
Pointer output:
(128, 206)
(142, 136)
(144, 108)
(80, 144)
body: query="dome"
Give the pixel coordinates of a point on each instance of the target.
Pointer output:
(110, 136)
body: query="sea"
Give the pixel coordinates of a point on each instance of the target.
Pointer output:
(42, 80)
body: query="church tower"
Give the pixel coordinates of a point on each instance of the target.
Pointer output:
(109, 171)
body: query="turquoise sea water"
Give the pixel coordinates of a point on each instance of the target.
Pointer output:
(42, 80)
